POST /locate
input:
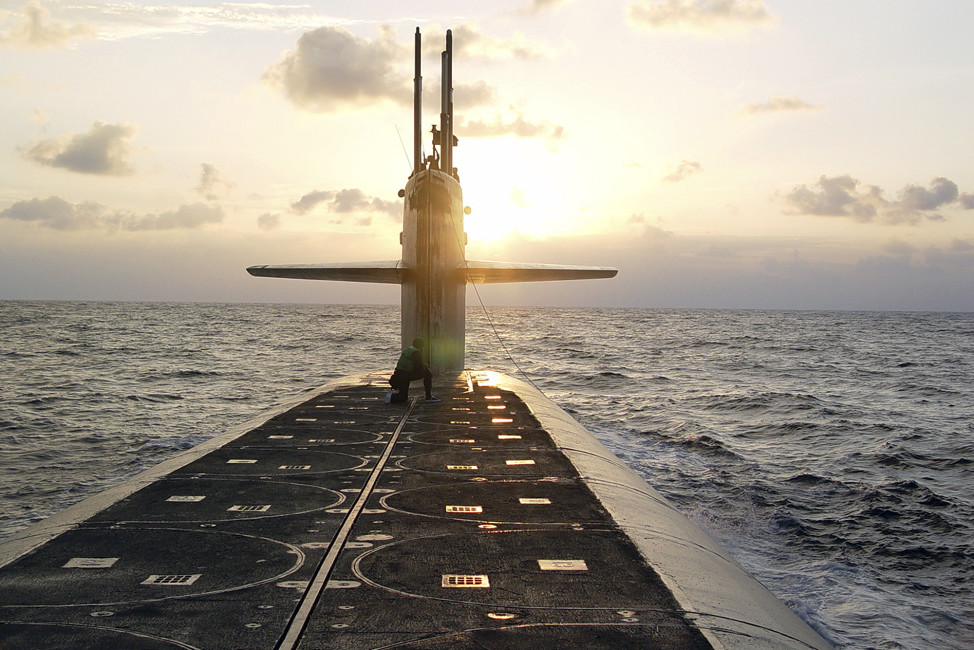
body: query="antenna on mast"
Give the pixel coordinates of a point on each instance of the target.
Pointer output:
(418, 162)
(446, 106)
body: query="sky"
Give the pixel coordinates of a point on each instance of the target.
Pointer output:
(766, 154)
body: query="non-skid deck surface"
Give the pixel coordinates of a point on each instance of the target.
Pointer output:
(346, 522)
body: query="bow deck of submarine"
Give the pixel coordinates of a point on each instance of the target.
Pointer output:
(490, 519)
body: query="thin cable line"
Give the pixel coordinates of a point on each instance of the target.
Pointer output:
(483, 306)
(404, 152)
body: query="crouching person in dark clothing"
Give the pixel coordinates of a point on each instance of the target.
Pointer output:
(411, 368)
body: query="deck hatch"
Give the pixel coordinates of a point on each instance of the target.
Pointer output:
(462, 467)
(248, 508)
(90, 563)
(173, 579)
(187, 498)
(465, 581)
(477, 509)
(294, 467)
(563, 565)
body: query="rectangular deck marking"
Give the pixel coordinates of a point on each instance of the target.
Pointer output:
(175, 579)
(497, 407)
(241, 461)
(279, 437)
(358, 408)
(464, 509)
(519, 462)
(459, 408)
(462, 581)
(185, 498)
(462, 467)
(248, 508)
(322, 440)
(501, 420)
(530, 501)
(462, 441)
(325, 406)
(344, 422)
(492, 396)
(292, 635)
(90, 563)
(563, 565)
(459, 422)
(295, 467)
(305, 419)
(508, 437)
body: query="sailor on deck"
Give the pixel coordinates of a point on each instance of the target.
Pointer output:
(411, 368)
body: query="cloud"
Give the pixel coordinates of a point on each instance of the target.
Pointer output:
(36, 30)
(836, 197)
(103, 150)
(54, 212)
(469, 43)
(345, 202)
(331, 69)
(699, 15)
(841, 196)
(516, 126)
(268, 221)
(59, 214)
(541, 6)
(190, 216)
(967, 201)
(780, 105)
(683, 170)
(213, 185)
(941, 192)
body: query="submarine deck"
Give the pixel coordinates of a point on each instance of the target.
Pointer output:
(346, 522)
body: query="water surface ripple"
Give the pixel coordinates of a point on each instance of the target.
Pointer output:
(830, 452)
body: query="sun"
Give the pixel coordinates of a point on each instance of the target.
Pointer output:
(509, 192)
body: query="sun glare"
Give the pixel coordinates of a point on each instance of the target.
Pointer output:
(508, 193)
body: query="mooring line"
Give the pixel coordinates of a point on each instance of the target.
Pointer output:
(300, 619)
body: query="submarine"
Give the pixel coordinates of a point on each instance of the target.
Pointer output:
(490, 519)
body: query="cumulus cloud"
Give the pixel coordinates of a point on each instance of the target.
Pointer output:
(699, 15)
(213, 185)
(59, 214)
(345, 202)
(942, 191)
(967, 200)
(683, 170)
(35, 29)
(103, 150)
(780, 105)
(844, 196)
(331, 68)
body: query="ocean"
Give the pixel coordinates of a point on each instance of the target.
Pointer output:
(831, 453)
